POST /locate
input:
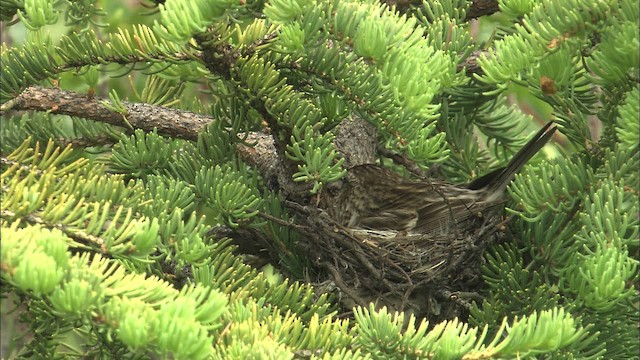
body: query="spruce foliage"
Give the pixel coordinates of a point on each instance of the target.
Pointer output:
(128, 190)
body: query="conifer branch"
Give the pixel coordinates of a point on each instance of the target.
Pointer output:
(167, 121)
(173, 122)
(481, 8)
(477, 9)
(302, 93)
(78, 236)
(356, 139)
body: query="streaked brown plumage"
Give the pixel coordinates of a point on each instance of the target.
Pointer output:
(380, 199)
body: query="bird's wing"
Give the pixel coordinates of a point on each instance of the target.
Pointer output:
(438, 217)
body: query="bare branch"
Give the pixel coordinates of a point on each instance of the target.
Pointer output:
(481, 8)
(171, 122)
(478, 7)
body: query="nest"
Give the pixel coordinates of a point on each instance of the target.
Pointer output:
(431, 276)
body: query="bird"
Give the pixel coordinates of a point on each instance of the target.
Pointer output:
(379, 199)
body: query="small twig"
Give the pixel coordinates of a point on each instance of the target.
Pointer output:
(282, 222)
(100, 140)
(224, 331)
(458, 297)
(80, 237)
(337, 278)
(402, 159)
(407, 294)
(27, 168)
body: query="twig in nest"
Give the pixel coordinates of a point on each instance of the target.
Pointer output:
(330, 223)
(458, 297)
(358, 253)
(282, 222)
(337, 278)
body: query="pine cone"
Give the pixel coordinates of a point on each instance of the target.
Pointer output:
(380, 199)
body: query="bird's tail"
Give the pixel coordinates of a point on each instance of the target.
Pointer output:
(498, 180)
